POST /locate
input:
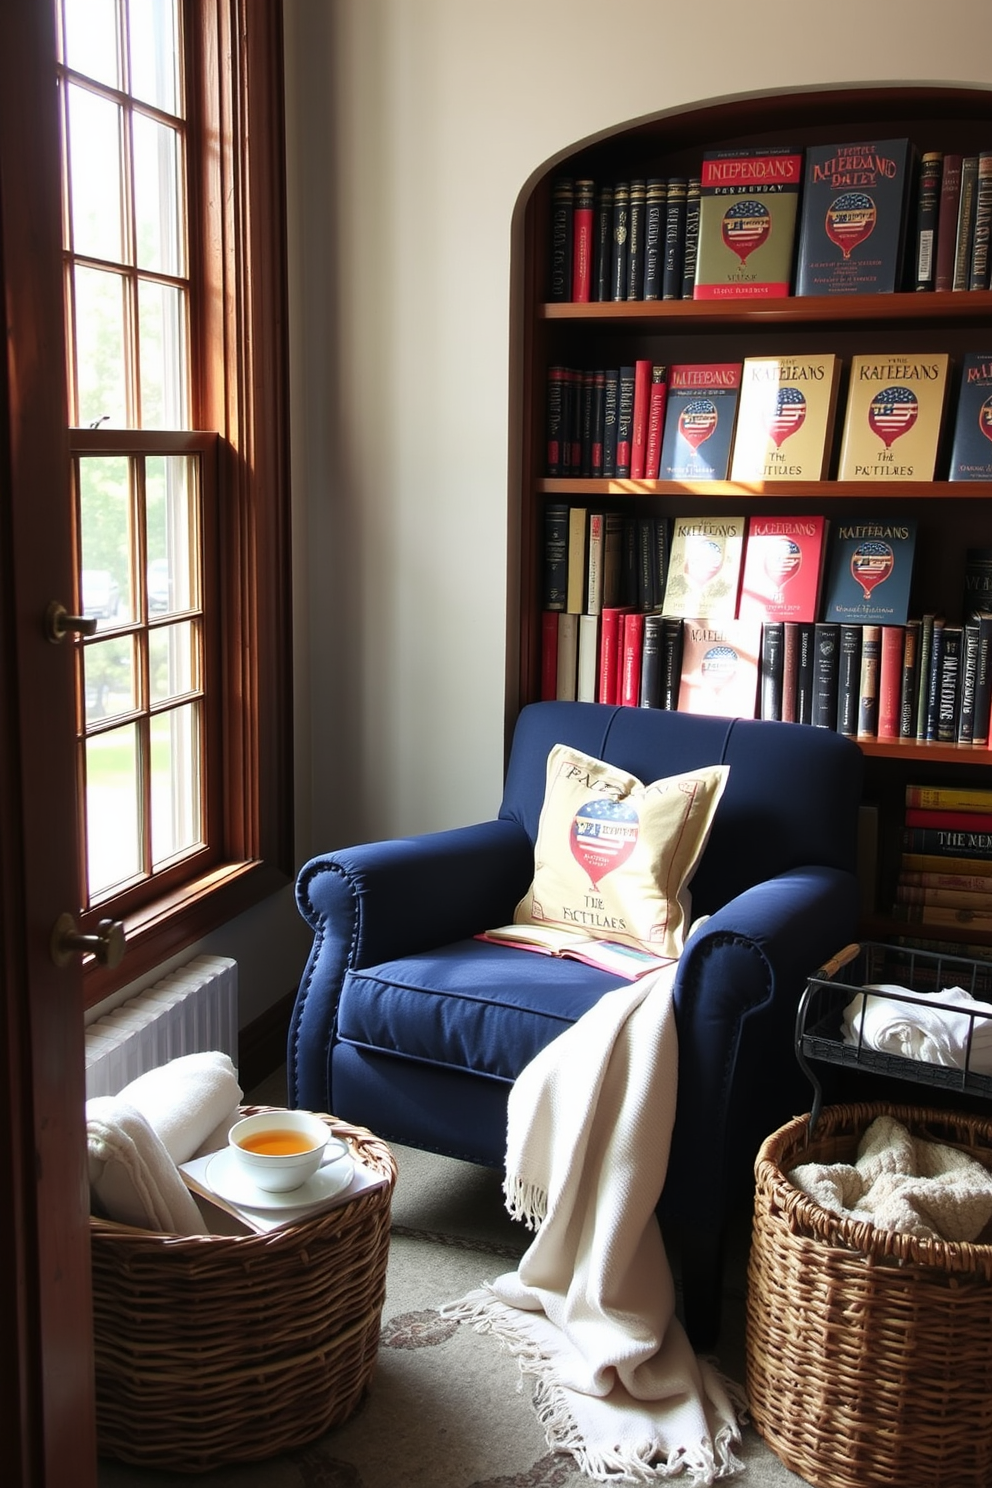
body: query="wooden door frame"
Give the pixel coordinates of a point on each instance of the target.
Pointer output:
(45, 1292)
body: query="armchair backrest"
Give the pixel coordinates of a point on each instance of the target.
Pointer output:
(791, 800)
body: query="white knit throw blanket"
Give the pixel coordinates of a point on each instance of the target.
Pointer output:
(590, 1312)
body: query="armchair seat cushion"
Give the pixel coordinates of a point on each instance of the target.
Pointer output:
(471, 1006)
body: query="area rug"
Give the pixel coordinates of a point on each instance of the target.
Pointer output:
(446, 1408)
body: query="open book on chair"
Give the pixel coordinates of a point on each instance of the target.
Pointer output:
(547, 940)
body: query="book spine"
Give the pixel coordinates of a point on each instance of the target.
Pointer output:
(575, 595)
(651, 649)
(602, 244)
(923, 667)
(869, 681)
(635, 272)
(910, 679)
(662, 554)
(805, 672)
(942, 862)
(691, 246)
(979, 271)
(639, 436)
(933, 680)
(790, 669)
(890, 681)
(929, 914)
(585, 453)
(568, 657)
(671, 277)
(946, 898)
(612, 545)
(966, 223)
(941, 842)
(826, 652)
(947, 222)
(656, 193)
(969, 674)
(562, 216)
(771, 668)
(611, 403)
(949, 798)
(671, 661)
(927, 204)
(983, 680)
(595, 540)
(949, 685)
(848, 679)
(582, 241)
(630, 673)
(587, 671)
(647, 574)
(620, 241)
(598, 407)
(625, 421)
(555, 420)
(977, 591)
(549, 655)
(657, 398)
(610, 648)
(630, 567)
(555, 555)
(950, 821)
(969, 883)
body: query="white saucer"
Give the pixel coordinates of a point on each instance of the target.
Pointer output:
(230, 1181)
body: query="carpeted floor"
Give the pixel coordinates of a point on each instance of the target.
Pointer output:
(449, 1408)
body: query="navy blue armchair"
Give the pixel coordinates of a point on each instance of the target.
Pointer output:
(405, 1023)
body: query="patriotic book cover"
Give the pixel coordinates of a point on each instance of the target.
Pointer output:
(700, 414)
(720, 664)
(870, 571)
(785, 419)
(971, 449)
(893, 418)
(747, 223)
(783, 568)
(704, 567)
(852, 222)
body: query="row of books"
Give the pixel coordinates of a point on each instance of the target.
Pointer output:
(865, 217)
(773, 418)
(918, 681)
(945, 868)
(774, 567)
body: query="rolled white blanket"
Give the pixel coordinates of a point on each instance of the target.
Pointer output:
(190, 1102)
(132, 1177)
(908, 1024)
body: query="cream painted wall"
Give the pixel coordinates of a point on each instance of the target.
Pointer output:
(414, 127)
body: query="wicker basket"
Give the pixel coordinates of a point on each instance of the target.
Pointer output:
(213, 1349)
(869, 1353)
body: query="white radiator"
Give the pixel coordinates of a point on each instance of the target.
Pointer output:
(190, 1011)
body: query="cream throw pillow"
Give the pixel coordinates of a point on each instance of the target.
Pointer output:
(613, 857)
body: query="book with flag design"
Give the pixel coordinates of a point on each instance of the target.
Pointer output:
(748, 202)
(893, 418)
(720, 667)
(700, 414)
(704, 567)
(853, 217)
(869, 571)
(783, 567)
(971, 447)
(785, 419)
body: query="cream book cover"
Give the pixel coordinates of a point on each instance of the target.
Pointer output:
(785, 419)
(893, 417)
(720, 664)
(704, 570)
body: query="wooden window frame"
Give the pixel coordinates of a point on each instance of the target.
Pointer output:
(239, 376)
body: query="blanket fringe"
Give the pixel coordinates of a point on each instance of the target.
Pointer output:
(526, 1201)
(702, 1465)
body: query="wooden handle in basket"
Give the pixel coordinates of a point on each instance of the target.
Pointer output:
(833, 966)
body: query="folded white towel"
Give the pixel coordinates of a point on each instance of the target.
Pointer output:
(907, 1023)
(133, 1179)
(188, 1101)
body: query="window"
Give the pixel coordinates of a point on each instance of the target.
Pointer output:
(173, 281)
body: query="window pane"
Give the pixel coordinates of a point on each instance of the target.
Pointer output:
(154, 53)
(101, 365)
(110, 678)
(162, 355)
(106, 538)
(91, 39)
(173, 661)
(157, 198)
(176, 817)
(173, 531)
(112, 811)
(95, 177)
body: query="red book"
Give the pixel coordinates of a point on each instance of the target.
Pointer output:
(947, 221)
(949, 821)
(549, 655)
(582, 243)
(890, 681)
(639, 433)
(633, 642)
(610, 651)
(656, 421)
(790, 670)
(783, 568)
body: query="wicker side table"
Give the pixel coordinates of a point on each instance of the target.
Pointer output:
(213, 1349)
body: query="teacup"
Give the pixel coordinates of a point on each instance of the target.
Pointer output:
(279, 1150)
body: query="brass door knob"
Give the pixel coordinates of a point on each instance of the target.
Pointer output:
(107, 944)
(58, 623)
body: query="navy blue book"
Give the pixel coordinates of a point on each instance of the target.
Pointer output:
(853, 217)
(971, 447)
(870, 571)
(700, 414)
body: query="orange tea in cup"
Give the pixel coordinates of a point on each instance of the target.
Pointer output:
(276, 1143)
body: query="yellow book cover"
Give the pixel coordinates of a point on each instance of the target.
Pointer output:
(785, 419)
(892, 423)
(704, 569)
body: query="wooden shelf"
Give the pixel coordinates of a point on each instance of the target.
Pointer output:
(821, 491)
(846, 310)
